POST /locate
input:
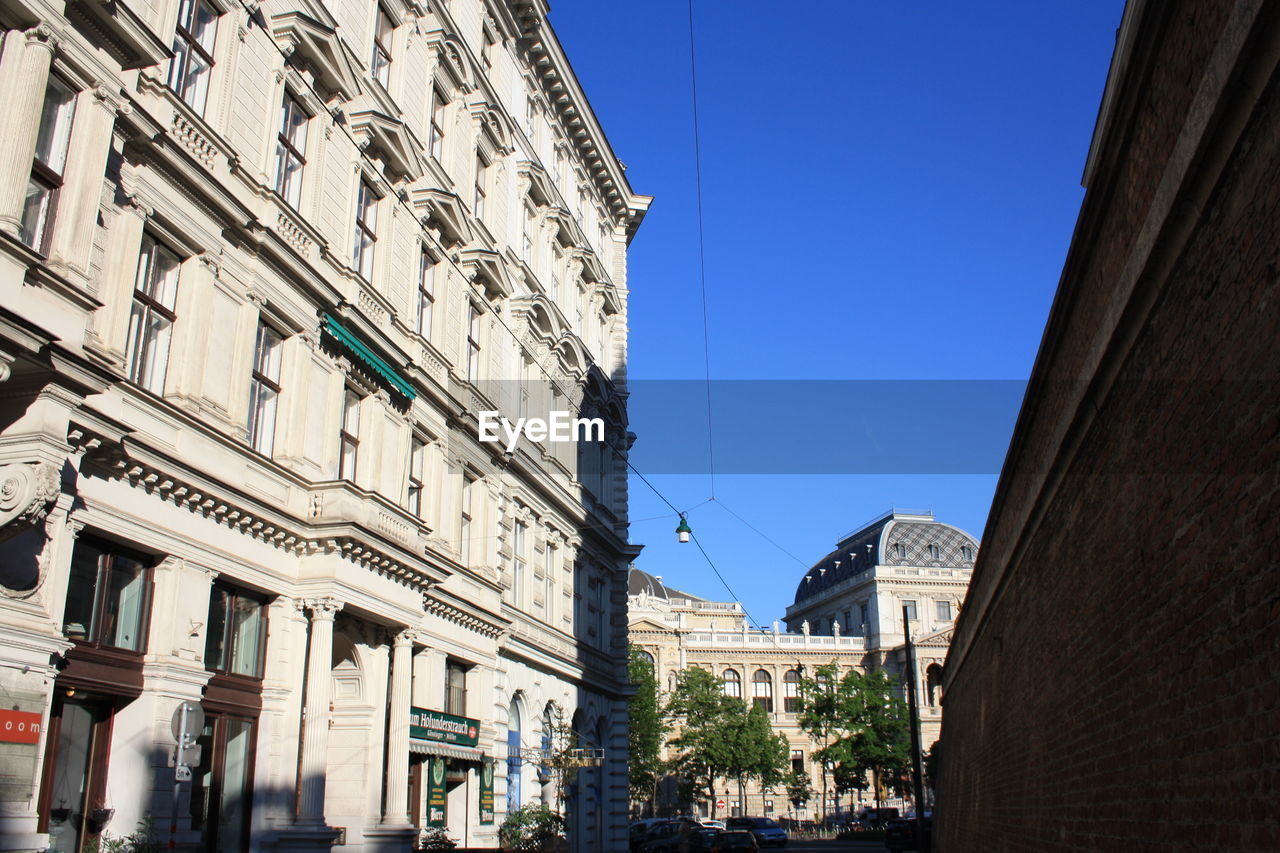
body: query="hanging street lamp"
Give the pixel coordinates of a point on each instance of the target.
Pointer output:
(683, 530)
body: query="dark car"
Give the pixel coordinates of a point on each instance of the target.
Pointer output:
(646, 831)
(766, 830)
(900, 833)
(732, 841)
(689, 837)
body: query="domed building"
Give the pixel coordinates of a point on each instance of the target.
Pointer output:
(847, 610)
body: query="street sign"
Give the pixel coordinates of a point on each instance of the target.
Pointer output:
(193, 720)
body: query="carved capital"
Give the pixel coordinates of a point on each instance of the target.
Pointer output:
(323, 609)
(27, 492)
(41, 35)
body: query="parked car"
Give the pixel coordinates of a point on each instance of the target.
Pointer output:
(766, 830)
(688, 837)
(711, 823)
(877, 818)
(644, 831)
(900, 833)
(733, 841)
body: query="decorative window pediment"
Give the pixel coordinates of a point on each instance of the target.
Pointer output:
(541, 192)
(541, 317)
(443, 211)
(314, 44)
(486, 265)
(391, 141)
(450, 65)
(124, 34)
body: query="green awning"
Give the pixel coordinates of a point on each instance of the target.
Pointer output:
(358, 348)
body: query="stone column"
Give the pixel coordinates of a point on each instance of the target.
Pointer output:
(109, 330)
(315, 739)
(81, 193)
(396, 811)
(24, 73)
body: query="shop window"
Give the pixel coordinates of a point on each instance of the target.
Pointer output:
(235, 633)
(108, 598)
(221, 784)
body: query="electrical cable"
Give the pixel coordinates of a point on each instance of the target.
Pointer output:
(761, 533)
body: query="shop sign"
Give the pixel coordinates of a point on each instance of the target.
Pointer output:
(486, 792)
(19, 726)
(443, 728)
(437, 796)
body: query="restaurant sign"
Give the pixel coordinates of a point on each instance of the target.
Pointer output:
(486, 792)
(443, 728)
(437, 794)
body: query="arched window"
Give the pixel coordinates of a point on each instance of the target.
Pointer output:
(933, 684)
(762, 690)
(648, 658)
(732, 683)
(791, 691)
(514, 763)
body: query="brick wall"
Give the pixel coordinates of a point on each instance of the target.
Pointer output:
(1112, 684)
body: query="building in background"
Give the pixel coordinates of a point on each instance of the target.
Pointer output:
(261, 269)
(848, 611)
(1111, 682)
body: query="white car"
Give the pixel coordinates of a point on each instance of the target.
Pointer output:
(710, 823)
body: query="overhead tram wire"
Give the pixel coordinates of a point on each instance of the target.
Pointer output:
(760, 533)
(702, 250)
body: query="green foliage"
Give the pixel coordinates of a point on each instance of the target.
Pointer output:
(861, 720)
(141, 840)
(799, 790)
(435, 838)
(931, 765)
(647, 729)
(530, 828)
(722, 737)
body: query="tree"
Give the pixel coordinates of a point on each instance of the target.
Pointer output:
(647, 729)
(708, 743)
(530, 828)
(755, 751)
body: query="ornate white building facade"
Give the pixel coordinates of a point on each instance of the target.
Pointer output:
(863, 583)
(261, 268)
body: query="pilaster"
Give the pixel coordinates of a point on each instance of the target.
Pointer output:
(24, 73)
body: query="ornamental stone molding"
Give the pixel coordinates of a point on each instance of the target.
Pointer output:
(27, 492)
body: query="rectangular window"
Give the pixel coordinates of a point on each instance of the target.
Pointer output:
(48, 164)
(264, 390)
(380, 65)
(797, 760)
(791, 691)
(455, 697)
(291, 147)
(481, 180)
(862, 619)
(426, 293)
(518, 562)
(193, 52)
(435, 140)
(108, 597)
(464, 534)
(417, 464)
(486, 50)
(473, 345)
(151, 319)
(943, 610)
(910, 606)
(235, 632)
(366, 230)
(349, 435)
(549, 580)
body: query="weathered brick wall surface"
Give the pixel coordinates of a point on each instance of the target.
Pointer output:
(1114, 679)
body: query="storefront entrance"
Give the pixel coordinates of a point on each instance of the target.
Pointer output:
(72, 809)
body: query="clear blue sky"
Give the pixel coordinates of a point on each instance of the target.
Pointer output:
(889, 190)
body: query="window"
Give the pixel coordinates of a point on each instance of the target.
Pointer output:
(944, 610)
(933, 684)
(762, 690)
(486, 49)
(380, 64)
(899, 550)
(46, 168)
(349, 435)
(549, 574)
(151, 319)
(417, 464)
(797, 761)
(791, 691)
(732, 684)
(426, 293)
(966, 552)
(847, 624)
(193, 52)
(435, 140)
(455, 688)
(481, 181)
(599, 612)
(862, 618)
(934, 552)
(464, 534)
(473, 345)
(910, 606)
(291, 146)
(264, 390)
(108, 597)
(514, 761)
(366, 230)
(518, 563)
(235, 632)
